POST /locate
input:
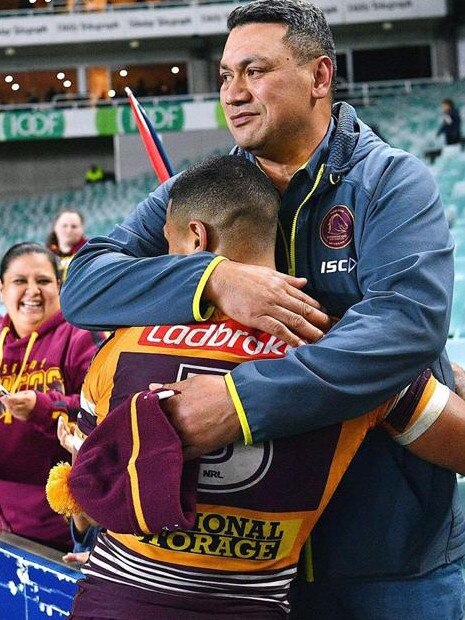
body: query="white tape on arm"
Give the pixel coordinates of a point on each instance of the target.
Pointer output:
(430, 414)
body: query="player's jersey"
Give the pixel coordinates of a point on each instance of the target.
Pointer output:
(256, 505)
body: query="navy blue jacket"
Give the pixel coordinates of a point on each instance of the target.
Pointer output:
(365, 224)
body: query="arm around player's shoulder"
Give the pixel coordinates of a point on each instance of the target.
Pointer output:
(398, 327)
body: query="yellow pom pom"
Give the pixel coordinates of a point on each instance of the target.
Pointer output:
(59, 494)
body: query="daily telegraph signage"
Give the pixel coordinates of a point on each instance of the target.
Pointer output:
(157, 22)
(44, 123)
(151, 22)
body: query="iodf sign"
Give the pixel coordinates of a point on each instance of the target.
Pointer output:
(37, 125)
(163, 116)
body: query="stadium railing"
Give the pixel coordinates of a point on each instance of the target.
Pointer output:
(34, 581)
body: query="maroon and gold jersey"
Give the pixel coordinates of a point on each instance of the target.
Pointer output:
(256, 505)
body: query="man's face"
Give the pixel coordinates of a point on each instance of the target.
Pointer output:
(265, 93)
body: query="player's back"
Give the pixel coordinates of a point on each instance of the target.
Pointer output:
(255, 504)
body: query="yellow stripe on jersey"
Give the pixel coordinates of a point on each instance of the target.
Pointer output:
(308, 549)
(132, 471)
(200, 287)
(248, 439)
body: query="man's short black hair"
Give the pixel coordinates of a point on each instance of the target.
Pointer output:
(308, 34)
(232, 197)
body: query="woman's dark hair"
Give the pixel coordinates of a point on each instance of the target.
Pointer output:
(52, 239)
(24, 248)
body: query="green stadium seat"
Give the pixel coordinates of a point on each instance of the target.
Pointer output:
(103, 205)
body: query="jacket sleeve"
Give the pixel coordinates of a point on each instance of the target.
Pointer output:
(134, 281)
(50, 405)
(397, 329)
(84, 541)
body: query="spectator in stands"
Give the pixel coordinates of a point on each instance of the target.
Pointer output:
(33, 96)
(95, 174)
(66, 237)
(141, 89)
(43, 363)
(162, 90)
(364, 226)
(451, 122)
(180, 86)
(50, 93)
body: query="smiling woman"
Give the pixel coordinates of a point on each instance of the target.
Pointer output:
(30, 291)
(43, 360)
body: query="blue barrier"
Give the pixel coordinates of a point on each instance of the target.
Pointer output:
(34, 583)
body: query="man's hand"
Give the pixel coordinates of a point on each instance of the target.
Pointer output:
(79, 558)
(267, 300)
(202, 414)
(20, 404)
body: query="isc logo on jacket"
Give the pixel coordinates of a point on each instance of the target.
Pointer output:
(343, 264)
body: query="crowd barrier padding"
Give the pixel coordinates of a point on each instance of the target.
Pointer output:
(35, 584)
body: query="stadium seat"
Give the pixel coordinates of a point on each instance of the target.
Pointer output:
(103, 205)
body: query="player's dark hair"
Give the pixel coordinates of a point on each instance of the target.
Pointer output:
(308, 34)
(24, 248)
(232, 197)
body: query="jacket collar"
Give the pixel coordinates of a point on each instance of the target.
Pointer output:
(337, 147)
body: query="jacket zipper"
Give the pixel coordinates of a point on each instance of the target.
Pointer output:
(291, 263)
(286, 246)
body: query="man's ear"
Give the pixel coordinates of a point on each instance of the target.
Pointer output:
(322, 76)
(198, 235)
